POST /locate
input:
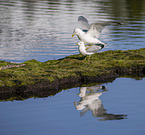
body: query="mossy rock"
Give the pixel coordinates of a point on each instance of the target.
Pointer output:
(33, 72)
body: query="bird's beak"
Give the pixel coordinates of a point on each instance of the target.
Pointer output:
(73, 35)
(76, 44)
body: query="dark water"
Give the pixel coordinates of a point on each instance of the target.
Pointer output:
(42, 29)
(116, 108)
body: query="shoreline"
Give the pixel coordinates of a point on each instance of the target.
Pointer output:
(32, 78)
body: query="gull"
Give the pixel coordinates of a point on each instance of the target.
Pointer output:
(90, 49)
(90, 33)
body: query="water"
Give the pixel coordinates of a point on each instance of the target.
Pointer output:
(116, 108)
(42, 29)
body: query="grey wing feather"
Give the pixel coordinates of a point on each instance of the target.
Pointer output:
(93, 48)
(84, 22)
(95, 29)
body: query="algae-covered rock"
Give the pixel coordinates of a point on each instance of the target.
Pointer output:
(75, 66)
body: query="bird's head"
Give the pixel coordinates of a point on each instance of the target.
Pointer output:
(80, 44)
(77, 32)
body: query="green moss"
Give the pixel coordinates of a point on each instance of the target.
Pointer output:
(4, 63)
(75, 65)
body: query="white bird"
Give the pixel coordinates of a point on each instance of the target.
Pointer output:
(89, 50)
(91, 33)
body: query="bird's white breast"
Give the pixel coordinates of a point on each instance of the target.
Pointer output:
(82, 50)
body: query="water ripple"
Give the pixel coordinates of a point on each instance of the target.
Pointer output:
(45, 27)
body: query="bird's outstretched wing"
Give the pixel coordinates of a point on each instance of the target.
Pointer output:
(84, 22)
(95, 29)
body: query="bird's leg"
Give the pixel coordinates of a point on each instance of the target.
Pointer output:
(88, 46)
(87, 57)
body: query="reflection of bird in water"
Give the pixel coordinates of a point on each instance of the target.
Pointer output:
(90, 33)
(90, 101)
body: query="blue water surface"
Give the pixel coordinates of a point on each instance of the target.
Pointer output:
(59, 114)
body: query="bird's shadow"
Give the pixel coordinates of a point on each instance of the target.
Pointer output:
(77, 57)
